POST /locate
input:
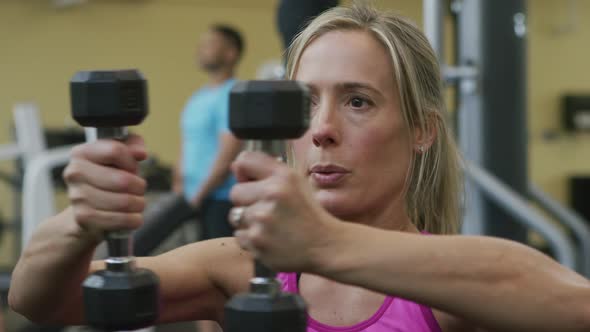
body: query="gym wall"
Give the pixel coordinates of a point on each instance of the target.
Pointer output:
(558, 53)
(41, 46)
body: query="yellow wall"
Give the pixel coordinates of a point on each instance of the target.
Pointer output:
(42, 46)
(559, 62)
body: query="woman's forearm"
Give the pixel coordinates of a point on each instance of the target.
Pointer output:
(493, 283)
(46, 281)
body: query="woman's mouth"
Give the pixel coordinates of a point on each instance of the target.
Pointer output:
(327, 175)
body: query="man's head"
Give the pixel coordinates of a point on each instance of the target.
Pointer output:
(220, 48)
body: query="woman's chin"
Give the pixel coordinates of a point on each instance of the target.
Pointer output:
(337, 204)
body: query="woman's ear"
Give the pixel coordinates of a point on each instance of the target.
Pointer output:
(424, 137)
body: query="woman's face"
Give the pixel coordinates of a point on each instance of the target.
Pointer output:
(356, 153)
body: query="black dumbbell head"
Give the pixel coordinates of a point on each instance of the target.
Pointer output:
(115, 98)
(115, 301)
(266, 110)
(285, 312)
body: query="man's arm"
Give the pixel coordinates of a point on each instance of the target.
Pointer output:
(496, 284)
(229, 147)
(177, 175)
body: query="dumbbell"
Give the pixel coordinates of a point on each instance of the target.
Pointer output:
(266, 113)
(121, 297)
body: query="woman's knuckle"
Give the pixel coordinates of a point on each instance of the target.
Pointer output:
(124, 203)
(122, 181)
(133, 220)
(139, 204)
(85, 214)
(131, 203)
(142, 184)
(115, 150)
(277, 191)
(78, 151)
(257, 239)
(234, 193)
(76, 195)
(262, 215)
(239, 160)
(72, 172)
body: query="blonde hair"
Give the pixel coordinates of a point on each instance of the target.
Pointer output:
(433, 182)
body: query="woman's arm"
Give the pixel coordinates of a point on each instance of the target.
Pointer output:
(106, 194)
(493, 283)
(198, 279)
(191, 287)
(53, 266)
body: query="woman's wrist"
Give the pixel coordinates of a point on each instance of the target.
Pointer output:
(329, 256)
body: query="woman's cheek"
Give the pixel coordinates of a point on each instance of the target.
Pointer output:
(369, 146)
(301, 144)
(300, 153)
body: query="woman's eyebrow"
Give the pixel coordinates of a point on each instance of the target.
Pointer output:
(358, 85)
(312, 87)
(347, 86)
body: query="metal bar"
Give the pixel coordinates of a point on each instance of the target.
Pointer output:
(569, 218)
(433, 15)
(10, 151)
(38, 201)
(452, 74)
(513, 203)
(29, 131)
(30, 138)
(470, 112)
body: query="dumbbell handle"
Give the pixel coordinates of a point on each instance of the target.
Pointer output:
(119, 243)
(275, 148)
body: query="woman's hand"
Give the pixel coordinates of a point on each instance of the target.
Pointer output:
(105, 191)
(276, 216)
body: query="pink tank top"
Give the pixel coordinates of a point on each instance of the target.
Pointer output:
(394, 315)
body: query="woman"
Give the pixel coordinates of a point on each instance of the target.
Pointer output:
(378, 156)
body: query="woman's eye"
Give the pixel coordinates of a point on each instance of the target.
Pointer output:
(357, 102)
(314, 100)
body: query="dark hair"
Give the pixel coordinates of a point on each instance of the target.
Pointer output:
(232, 35)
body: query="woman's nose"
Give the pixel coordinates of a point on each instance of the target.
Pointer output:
(325, 127)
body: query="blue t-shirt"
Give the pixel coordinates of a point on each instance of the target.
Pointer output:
(204, 119)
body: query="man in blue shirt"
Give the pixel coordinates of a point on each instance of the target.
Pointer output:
(203, 173)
